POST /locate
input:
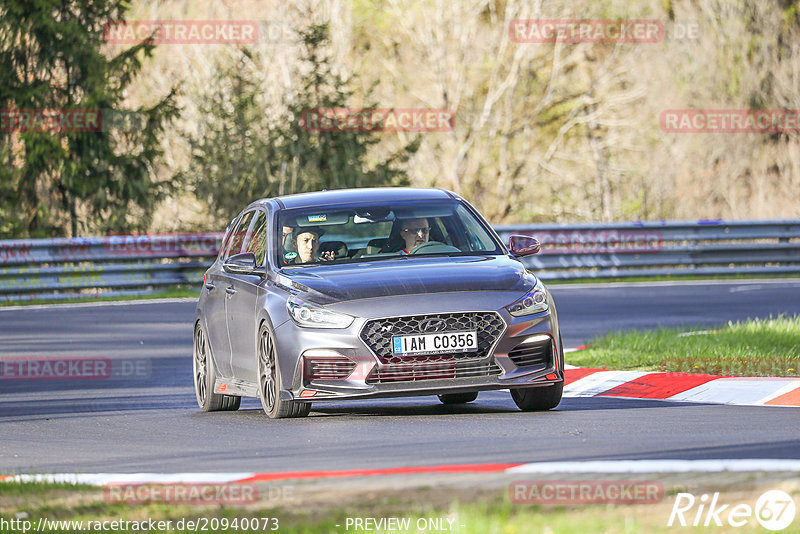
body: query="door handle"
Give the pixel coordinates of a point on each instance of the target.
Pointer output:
(230, 290)
(210, 286)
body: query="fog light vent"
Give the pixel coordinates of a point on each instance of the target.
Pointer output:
(327, 368)
(533, 352)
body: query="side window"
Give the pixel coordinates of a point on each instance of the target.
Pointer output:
(438, 231)
(226, 238)
(257, 241)
(477, 238)
(238, 235)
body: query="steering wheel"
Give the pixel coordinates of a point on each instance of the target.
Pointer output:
(433, 247)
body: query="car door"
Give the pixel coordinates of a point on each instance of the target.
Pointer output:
(242, 309)
(216, 321)
(217, 285)
(215, 318)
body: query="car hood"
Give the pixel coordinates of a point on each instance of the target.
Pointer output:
(326, 284)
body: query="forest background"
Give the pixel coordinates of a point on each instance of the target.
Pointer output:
(543, 132)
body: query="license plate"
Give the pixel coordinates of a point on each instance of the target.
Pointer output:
(442, 343)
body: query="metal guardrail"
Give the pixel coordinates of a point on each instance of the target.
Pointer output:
(129, 265)
(116, 265)
(649, 249)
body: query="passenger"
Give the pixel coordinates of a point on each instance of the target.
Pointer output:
(414, 233)
(287, 237)
(306, 243)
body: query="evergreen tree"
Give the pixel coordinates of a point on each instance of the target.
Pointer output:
(240, 156)
(234, 151)
(72, 181)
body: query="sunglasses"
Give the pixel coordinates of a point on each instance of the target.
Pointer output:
(422, 231)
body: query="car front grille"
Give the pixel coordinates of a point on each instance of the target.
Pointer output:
(437, 369)
(537, 353)
(377, 333)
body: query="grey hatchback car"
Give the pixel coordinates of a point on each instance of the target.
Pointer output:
(361, 293)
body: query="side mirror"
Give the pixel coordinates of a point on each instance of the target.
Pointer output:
(523, 245)
(244, 263)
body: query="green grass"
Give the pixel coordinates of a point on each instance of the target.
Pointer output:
(173, 292)
(8, 489)
(758, 347)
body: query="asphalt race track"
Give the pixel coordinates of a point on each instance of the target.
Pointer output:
(143, 418)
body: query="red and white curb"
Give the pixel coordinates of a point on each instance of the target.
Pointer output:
(686, 387)
(600, 466)
(104, 479)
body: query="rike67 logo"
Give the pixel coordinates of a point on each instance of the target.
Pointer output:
(774, 510)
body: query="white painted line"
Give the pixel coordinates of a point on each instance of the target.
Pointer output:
(738, 391)
(102, 479)
(791, 386)
(599, 382)
(658, 466)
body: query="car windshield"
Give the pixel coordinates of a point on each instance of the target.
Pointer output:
(340, 234)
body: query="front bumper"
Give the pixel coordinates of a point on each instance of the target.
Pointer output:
(331, 365)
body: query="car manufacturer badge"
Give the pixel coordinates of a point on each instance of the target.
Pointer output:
(432, 325)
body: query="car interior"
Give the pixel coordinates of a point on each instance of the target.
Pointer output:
(375, 232)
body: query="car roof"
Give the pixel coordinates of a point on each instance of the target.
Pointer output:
(352, 196)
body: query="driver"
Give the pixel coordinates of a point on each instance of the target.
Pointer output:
(414, 233)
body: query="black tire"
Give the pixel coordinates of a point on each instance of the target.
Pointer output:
(538, 399)
(205, 377)
(458, 398)
(269, 379)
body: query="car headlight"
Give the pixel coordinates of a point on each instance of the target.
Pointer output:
(307, 314)
(534, 301)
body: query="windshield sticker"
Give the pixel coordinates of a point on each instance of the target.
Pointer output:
(289, 256)
(317, 218)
